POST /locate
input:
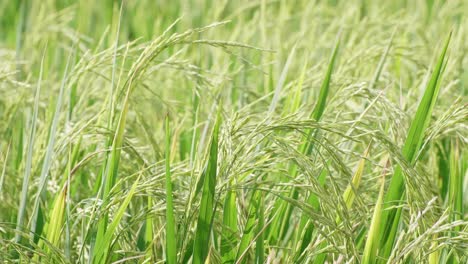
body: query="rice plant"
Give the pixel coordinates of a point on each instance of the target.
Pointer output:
(265, 131)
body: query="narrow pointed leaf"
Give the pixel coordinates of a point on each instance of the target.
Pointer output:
(103, 246)
(171, 244)
(391, 216)
(230, 230)
(204, 224)
(370, 249)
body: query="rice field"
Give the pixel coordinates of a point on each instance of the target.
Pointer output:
(250, 131)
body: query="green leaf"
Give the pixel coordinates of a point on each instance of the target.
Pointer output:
(53, 228)
(260, 240)
(171, 243)
(103, 245)
(455, 196)
(348, 196)
(249, 229)
(306, 227)
(204, 223)
(149, 230)
(395, 192)
(370, 249)
(294, 100)
(434, 256)
(350, 192)
(28, 166)
(230, 230)
(50, 148)
(325, 88)
(456, 185)
(5, 163)
(280, 224)
(280, 84)
(56, 218)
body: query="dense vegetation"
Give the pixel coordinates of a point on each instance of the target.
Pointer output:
(266, 131)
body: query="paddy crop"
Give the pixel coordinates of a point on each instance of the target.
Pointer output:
(200, 131)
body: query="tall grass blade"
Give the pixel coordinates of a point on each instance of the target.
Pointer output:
(306, 148)
(370, 249)
(455, 196)
(50, 150)
(350, 192)
(306, 228)
(109, 172)
(348, 196)
(434, 256)
(260, 240)
(325, 88)
(27, 169)
(171, 243)
(456, 184)
(280, 84)
(391, 216)
(103, 246)
(295, 100)
(230, 230)
(381, 64)
(149, 232)
(443, 151)
(2, 177)
(53, 228)
(56, 218)
(207, 207)
(249, 229)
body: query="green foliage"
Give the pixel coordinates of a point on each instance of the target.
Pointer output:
(299, 131)
(391, 216)
(171, 243)
(202, 243)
